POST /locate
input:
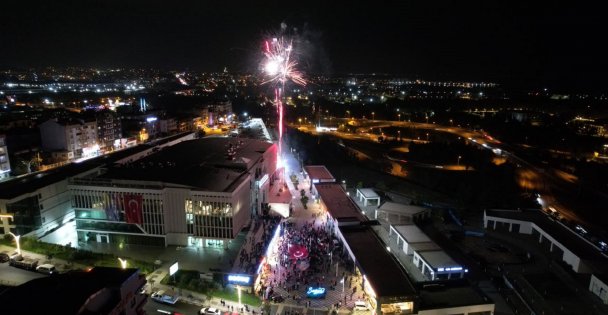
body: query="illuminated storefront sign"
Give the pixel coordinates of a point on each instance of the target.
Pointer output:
(449, 269)
(173, 269)
(315, 292)
(263, 180)
(240, 279)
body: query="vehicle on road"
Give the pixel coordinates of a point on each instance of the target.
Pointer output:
(46, 269)
(161, 297)
(209, 311)
(361, 306)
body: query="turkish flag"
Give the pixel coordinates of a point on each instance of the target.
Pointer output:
(133, 204)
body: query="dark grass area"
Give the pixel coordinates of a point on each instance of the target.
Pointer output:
(549, 286)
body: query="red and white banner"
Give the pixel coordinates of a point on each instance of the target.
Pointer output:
(133, 207)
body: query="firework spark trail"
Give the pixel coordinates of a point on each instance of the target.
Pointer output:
(280, 68)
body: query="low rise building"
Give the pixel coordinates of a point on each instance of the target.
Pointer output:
(599, 286)
(101, 290)
(77, 136)
(430, 260)
(395, 213)
(552, 235)
(5, 165)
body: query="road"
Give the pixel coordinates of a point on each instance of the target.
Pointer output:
(545, 180)
(153, 307)
(15, 276)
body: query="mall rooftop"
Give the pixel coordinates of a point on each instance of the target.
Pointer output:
(212, 164)
(338, 203)
(319, 174)
(381, 269)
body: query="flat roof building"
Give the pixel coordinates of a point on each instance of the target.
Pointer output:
(319, 174)
(387, 285)
(551, 234)
(426, 255)
(102, 290)
(368, 197)
(452, 297)
(193, 193)
(397, 213)
(339, 206)
(384, 279)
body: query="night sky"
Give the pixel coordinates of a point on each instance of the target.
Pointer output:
(507, 42)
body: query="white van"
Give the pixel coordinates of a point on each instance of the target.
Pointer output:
(361, 306)
(46, 269)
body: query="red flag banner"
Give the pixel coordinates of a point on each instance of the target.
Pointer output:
(133, 205)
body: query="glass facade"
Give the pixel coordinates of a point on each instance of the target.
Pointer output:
(26, 214)
(108, 206)
(209, 218)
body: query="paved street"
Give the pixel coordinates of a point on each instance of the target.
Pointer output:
(12, 276)
(152, 308)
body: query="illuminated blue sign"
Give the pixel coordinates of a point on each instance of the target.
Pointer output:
(315, 292)
(240, 279)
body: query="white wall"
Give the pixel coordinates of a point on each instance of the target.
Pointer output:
(174, 210)
(599, 288)
(56, 204)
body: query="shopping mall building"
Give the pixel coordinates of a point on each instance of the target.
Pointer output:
(177, 191)
(199, 192)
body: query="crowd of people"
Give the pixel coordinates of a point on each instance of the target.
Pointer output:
(291, 276)
(250, 259)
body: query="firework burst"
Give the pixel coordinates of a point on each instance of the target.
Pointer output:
(279, 64)
(280, 67)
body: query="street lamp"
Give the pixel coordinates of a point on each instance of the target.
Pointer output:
(17, 237)
(399, 115)
(427, 136)
(238, 288)
(123, 263)
(342, 281)
(373, 116)
(459, 157)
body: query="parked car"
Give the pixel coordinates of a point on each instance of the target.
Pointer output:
(209, 311)
(277, 298)
(4, 257)
(161, 297)
(361, 306)
(15, 256)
